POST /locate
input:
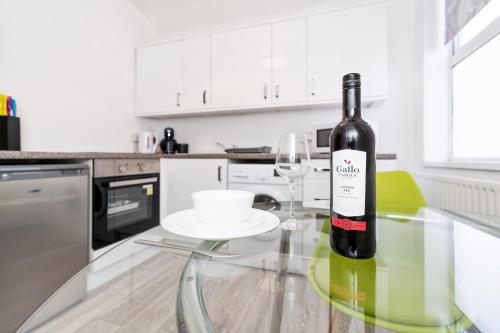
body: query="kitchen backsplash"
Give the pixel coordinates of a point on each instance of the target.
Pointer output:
(257, 129)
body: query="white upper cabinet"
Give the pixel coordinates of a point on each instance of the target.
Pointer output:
(241, 67)
(289, 61)
(344, 41)
(197, 73)
(159, 78)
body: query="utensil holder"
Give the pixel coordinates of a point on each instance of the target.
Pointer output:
(10, 133)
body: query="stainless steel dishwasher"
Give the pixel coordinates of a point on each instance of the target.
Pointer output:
(44, 234)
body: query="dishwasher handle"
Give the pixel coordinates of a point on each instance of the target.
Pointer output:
(24, 172)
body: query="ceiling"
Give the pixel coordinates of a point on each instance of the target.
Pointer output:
(173, 16)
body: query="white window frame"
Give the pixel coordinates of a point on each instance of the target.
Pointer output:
(459, 53)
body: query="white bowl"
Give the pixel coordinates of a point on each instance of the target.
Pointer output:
(222, 206)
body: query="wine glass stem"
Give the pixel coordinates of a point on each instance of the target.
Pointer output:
(292, 201)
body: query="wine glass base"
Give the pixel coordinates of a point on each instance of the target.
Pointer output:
(293, 224)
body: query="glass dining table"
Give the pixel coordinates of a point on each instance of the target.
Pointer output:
(434, 271)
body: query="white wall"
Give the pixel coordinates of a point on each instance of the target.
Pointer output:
(395, 118)
(70, 66)
(436, 92)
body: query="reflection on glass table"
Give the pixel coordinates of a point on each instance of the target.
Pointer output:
(433, 272)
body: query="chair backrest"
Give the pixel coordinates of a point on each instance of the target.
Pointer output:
(398, 191)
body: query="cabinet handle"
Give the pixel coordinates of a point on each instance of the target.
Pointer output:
(219, 176)
(319, 199)
(313, 87)
(205, 97)
(265, 91)
(178, 99)
(321, 170)
(277, 90)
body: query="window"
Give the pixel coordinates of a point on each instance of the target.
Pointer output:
(475, 74)
(479, 22)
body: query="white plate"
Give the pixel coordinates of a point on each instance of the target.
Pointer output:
(188, 219)
(185, 223)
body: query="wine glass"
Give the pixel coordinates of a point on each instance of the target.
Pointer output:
(293, 161)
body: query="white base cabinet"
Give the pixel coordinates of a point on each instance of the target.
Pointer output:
(316, 185)
(181, 177)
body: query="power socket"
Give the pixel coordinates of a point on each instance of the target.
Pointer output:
(134, 138)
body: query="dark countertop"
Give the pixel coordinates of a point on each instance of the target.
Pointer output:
(24, 155)
(42, 155)
(261, 156)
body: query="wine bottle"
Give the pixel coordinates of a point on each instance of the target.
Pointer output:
(352, 178)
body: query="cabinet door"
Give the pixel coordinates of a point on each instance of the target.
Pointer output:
(344, 41)
(289, 61)
(185, 176)
(241, 67)
(316, 185)
(159, 78)
(197, 73)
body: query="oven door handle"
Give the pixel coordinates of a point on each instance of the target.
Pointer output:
(121, 183)
(104, 201)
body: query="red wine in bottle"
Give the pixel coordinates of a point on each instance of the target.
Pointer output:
(352, 178)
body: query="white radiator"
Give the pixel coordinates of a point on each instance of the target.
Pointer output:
(460, 194)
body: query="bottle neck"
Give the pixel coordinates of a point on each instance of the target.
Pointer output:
(351, 103)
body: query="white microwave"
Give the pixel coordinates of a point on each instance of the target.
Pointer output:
(320, 137)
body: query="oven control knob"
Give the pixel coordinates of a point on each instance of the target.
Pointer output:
(140, 166)
(122, 168)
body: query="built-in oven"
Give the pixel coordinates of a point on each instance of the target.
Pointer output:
(126, 199)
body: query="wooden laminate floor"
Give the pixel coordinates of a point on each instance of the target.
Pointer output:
(144, 299)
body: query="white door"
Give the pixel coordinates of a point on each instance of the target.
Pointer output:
(289, 61)
(197, 73)
(344, 41)
(241, 67)
(159, 78)
(185, 176)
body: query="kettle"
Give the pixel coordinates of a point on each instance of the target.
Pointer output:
(147, 143)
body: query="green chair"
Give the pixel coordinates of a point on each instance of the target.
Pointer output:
(398, 192)
(360, 288)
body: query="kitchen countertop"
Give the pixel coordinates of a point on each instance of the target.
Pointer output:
(42, 155)
(261, 156)
(24, 155)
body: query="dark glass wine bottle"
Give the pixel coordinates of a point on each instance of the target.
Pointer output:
(352, 178)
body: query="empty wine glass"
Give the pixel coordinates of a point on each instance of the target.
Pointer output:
(293, 161)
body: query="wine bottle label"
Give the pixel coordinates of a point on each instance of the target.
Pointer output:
(349, 182)
(347, 224)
